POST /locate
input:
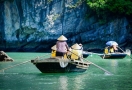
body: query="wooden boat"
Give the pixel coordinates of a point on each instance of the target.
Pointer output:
(113, 55)
(57, 65)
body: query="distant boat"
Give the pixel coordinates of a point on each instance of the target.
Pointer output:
(110, 52)
(56, 65)
(113, 55)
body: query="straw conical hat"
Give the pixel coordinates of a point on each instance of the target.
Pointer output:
(54, 47)
(76, 46)
(62, 38)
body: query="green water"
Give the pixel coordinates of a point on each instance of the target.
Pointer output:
(28, 77)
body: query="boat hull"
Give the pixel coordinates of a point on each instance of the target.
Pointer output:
(113, 56)
(57, 66)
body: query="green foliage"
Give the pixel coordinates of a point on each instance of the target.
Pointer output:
(77, 4)
(120, 6)
(103, 8)
(96, 4)
(55, 17)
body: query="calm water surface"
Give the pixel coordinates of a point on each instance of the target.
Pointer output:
(28, 77)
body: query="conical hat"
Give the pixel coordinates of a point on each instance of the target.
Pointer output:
(76, 46)
(54, 47)
(62, 38)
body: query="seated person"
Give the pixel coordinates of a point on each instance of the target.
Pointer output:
(61, 46)
(76, 52)
(115, 48)
(111, 49)
(53, 52)
(106, 51)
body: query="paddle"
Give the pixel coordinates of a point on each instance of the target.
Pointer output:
(93, 53)
(20, 64)
(14, 65)
(94, 64)
(97, 54)
(125, 52)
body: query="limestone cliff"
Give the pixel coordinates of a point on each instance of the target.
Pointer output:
(34, 25)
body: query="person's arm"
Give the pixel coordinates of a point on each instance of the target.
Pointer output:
(67, 47)
(57, 45)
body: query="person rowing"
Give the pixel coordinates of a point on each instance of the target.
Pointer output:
(61, 46)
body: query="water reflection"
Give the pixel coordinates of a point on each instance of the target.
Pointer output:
(74, 81)
(79, 83)
(114, 65)
(63, 82)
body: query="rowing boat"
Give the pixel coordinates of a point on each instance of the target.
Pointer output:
(57, 65)
(113, 55)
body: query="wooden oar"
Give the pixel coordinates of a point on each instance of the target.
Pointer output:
(97, 54)
(18, 64)
(101, 68)
(95, 65)
(93, 53)
(124, 52)
(14, 65)
(103, 56)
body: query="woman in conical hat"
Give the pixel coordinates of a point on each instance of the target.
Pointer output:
(76, 46)
(53, 47)
(61, 46)
(62, 38)
(76, 52)
(53, 52)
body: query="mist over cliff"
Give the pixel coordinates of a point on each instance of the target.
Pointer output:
(35, 25)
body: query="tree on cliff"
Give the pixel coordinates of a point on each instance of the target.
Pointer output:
(105, 8)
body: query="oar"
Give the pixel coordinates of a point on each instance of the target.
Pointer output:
(95, 65)
(93, 53)
(18, 64)
(100, 68)
(14, 65)
(124, 52)
(103, 56)
(97, 54)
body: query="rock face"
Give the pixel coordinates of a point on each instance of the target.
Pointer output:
(35, 25)
(4, 57)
